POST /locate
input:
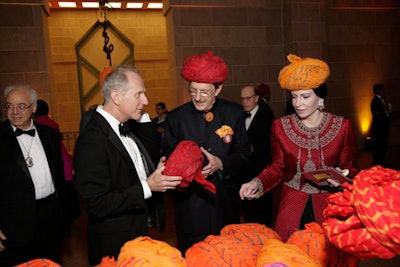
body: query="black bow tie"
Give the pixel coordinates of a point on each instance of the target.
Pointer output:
(247, 115)
(19, 131)
(124, 129)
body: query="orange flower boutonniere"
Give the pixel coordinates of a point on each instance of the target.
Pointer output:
(226, 133)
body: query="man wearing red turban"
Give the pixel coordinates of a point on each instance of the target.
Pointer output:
(217, 126)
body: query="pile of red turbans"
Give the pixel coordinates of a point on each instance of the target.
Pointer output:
(364, 219)
(205, 68)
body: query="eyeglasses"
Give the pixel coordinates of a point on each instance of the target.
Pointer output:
(20, 107)
(202, 93)
(247, 98)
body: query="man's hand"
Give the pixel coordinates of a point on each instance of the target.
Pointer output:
(161, 183)
(2, 237)
(214, 163)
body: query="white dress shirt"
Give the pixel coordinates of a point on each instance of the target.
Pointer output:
(40, 171)
(250, 119)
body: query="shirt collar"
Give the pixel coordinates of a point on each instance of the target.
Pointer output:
(32, 126)
(114, 123)
(254, 111)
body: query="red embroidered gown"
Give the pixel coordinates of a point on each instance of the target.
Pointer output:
(296, 148)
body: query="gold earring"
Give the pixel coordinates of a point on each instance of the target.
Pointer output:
(321, 106)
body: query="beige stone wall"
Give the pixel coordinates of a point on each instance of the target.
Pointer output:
(247, 35)
(146, 30)
(23, 47)
(358, 40)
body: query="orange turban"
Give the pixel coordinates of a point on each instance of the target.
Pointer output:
(104, 74)
(205, 68)
(364, 219)
(144, 251)
(303, 73)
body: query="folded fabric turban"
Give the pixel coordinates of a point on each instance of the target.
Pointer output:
(187, 161)
(205, 68)
(144, 251)
(364, 219)
(303, 73)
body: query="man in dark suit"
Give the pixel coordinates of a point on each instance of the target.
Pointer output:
(114, 172)
(258, 120)
(216, 125)
(31, 183)
(380, 127)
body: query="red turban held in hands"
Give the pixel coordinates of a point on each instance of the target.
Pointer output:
(187, 161)
(205, 68)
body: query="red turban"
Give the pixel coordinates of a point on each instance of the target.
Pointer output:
(187, 161)
(205, 68)
(364, 219)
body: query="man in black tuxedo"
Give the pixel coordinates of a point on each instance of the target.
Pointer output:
(31, 183)
(380, 127)
(114, 170)
(258, 120)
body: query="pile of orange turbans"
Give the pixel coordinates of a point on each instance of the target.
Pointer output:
(205, 68)
(303, 73)
(244, 244)
(187, 161)
(364, 219)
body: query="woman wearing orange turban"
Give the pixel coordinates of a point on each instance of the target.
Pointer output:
(308, 140)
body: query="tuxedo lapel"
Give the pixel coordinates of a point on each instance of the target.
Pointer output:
(16, 149)
(46, 144)
(21, 161)
(116, 141)
(112, 136)
(145, 155)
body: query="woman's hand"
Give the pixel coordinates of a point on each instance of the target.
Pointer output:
(249, 190)
(2, 237)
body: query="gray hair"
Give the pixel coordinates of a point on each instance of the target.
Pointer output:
(117, 80)
(26, 87)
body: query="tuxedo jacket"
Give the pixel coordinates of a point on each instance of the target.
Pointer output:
(258, 134)
(380, 119)
(110, 187)
(17, 193)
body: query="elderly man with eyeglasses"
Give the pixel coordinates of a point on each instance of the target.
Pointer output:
(31, 183)
(217, 126)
